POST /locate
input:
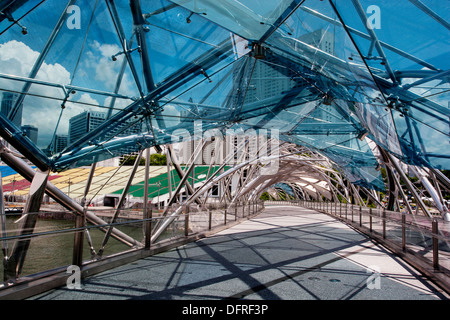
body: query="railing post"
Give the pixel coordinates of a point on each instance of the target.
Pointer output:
(235, 211)
(148, 231)
(360, 216)
(404, 231)
(225, 217)
(370, 219)
(346, 207)
(435, 230)
(209, 219)
(13, 265)
(78, 241)
(186, 221)
(384, 223)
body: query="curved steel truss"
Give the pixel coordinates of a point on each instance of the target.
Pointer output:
(342, 108)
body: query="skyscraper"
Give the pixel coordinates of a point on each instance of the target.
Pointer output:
(321, 39)
(8, 101)
(31, 132)
(59, 143)
(84, 122)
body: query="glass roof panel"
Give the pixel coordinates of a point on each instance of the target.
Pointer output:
(249, 19)
(143, 73)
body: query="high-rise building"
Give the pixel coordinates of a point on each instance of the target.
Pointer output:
(83, 123)
(87, 121)
(8, 101)
(321, 39)
(271, 78)
(59, 143)
(31, 132)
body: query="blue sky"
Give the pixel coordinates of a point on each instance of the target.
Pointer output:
(402, 25)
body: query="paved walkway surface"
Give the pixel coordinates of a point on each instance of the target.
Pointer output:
(285, 253)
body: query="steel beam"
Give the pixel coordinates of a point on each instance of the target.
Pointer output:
(15, 261)
(15, 138)
(433, 192)
(80, 222)
(28, 173)
(183, 180)
(120, 203)
(408, 184)
(40, 60)
(440, 75)
(367, 37)
(139, 22)
(374, 38)
(431, 13)
(147, 211)
(122, 38)
(179, 170)
(64, 87)
(3, 222)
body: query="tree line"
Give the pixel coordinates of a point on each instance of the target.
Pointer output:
(156, 159)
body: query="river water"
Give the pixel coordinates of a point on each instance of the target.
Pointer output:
(52, 251)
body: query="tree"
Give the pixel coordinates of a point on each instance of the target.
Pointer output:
(156, 159)
(129, 161)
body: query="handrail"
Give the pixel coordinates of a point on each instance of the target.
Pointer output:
(431, 258)
(218, 217)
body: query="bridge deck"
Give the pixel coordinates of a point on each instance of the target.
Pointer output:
(284, 253)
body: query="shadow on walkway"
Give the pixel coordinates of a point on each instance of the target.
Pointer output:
(283, 254)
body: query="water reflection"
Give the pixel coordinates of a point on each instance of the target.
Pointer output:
(52, 251)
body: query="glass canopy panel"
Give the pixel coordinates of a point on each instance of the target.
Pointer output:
(249, 19)
(64, 74)
(99, 55)
(412, 34)
(312, 84)
(174, 111)
(358, 163)
(322, 46)
(185, 37)
(19, 54)
(330, 131)
(326, 126)
(13, 12)
(407, 43)
(205, 102)
(314, 35)
(353, 157)
(424, 138)
(276, 94)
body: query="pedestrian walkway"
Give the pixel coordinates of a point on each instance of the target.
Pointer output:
(284, 253)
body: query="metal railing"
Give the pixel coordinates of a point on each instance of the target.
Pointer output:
(423, 241)
(52, 245)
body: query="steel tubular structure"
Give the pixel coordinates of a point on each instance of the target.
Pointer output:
(342, 135)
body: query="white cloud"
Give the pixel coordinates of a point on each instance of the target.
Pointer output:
(17, 59)
(103, 70)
